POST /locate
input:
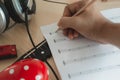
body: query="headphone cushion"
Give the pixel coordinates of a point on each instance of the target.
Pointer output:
(13, 13)
(6, 14)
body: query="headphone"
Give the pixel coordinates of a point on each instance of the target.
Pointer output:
(15, 9)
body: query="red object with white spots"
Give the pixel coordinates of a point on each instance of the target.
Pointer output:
(28, 69)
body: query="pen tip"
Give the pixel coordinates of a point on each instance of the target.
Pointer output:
(57, 30)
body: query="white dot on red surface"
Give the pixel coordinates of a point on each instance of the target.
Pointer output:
(48, 72)
(36, 59)
(38, 77)
(11, 71)
(26, 67)
(22, 79)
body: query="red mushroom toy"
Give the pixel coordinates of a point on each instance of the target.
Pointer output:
(28, 69)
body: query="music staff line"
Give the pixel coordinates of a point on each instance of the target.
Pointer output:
(114, 18)
(64, 39)
(59, 40)
(91, 57)
(52, 33)
(76, 48)
(92, 71)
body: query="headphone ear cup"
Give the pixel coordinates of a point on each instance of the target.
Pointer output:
(14, 11)
(31, 4)
(4, 22)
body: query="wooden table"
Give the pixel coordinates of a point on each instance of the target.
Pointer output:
(46, 13)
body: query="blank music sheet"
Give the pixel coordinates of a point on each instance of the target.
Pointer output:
(83, 59)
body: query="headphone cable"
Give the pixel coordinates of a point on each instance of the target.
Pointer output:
(52, 70)
(12, 25)
(27, 28)
(35, 47)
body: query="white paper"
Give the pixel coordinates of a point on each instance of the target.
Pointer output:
(83, 59)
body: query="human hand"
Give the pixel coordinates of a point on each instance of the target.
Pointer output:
(69, 11)
(89, 23)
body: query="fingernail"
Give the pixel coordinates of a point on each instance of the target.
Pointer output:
(76, 35)
(71, 37)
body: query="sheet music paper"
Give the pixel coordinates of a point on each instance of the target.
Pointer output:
(83, 59)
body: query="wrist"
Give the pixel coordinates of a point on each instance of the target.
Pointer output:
(110, 34)
(103, 31)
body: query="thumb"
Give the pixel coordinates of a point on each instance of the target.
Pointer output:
(67, 22)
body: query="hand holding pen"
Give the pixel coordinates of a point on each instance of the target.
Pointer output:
(88, 23)
(86, 4)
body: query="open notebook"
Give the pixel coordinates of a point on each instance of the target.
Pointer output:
(83, 59)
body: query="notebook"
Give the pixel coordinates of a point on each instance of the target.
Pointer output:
(83, 59)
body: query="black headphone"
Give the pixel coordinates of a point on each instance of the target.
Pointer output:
(16, 10)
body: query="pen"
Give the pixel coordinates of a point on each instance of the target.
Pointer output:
(81, 10)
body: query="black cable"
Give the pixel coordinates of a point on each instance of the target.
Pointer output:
(52, 70)
(56, 2)
(12, 25)
(27, 28)
(28, 53)
(35, 47)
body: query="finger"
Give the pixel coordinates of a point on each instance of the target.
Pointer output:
(73, 8)
(67, 22)
(67, 12)
(65, 32)
(70, 34)
(76, 34)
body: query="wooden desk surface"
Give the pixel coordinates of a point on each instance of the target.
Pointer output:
(46, 13)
